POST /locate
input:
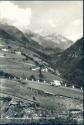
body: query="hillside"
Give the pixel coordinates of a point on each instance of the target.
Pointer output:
(12, 33)
(26, 72)
(70, 59)
(70, 63)
(14, 40)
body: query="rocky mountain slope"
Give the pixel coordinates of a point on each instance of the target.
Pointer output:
(70, 63)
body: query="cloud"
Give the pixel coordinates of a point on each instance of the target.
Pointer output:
(14, 15)
(65, 17)
(39, 31)
(75, 30)
(75, 36)
(77, 22)
(52, 23)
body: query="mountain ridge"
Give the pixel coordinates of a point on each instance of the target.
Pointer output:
(70, 63)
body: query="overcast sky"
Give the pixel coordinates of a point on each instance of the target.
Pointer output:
(62, 17)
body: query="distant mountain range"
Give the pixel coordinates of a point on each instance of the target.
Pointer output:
(51, 41)
(59, 41)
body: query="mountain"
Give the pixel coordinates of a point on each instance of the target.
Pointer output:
(63, 56)
(59, 41)
(47, 46)
(70, 63)
(15, 40)
(13, 33)
(26, 75)
(50, 41)
(30, 40)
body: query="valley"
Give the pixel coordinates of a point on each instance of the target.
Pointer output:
(26, 92)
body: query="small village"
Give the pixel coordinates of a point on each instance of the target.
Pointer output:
(41, 69)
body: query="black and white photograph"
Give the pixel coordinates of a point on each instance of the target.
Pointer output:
(41, 62)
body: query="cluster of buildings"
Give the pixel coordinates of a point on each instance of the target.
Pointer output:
(43, 69)
(7, 49)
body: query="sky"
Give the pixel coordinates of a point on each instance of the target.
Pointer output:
(45, 17)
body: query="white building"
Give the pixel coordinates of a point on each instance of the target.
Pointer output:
(36, 69)
(26, 79)
(44, 81)
(65, 85)
(5, 50)
(45, 70)
(73, 86)
(38, 81)
(81, 88)
(18, 52)
(56, 83)
(32, 80)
